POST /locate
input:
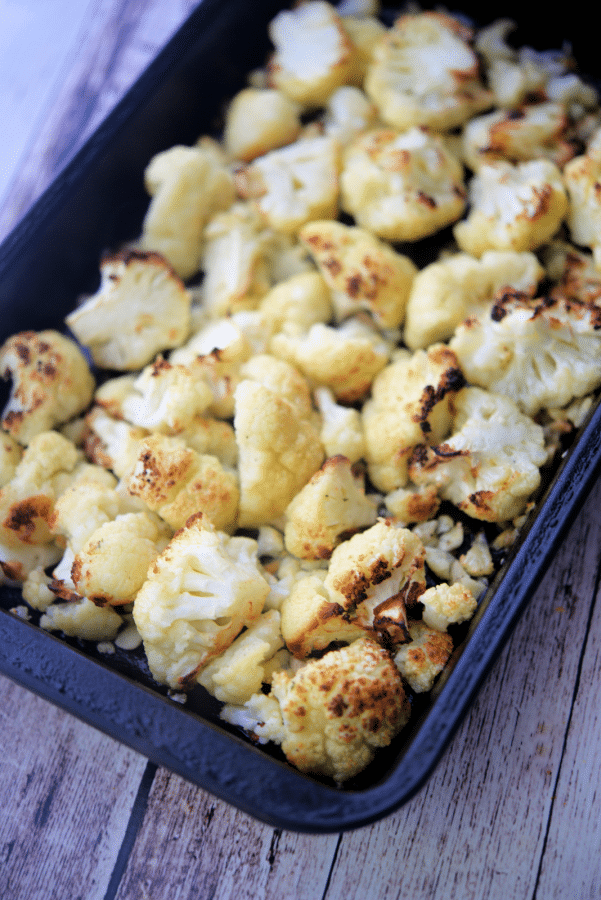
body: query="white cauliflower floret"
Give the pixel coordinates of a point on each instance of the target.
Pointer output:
(51, 382)
(334, 712)
(202, 590)
(411, 401)
(279, 450)
(112, 565)
(295, 184)
(27, 504)
(302, 300)
(239, 672)
(446, 605)
(140, 309)
(361, 271)
(370, 580)
(259, 120)
(283, 379)
(540, 352)
(36, 590)
(582, 177)
(533, 131)
(489, 466)
(402, 187)
(187, 185)
(425, 73)
(85, 506)
(332, 503)
(446, 292)
(176, 482)
(345, 359)
(83, 619)
(313, 53)
(423, 659)
(512, 207)
(212, 437)
(111, 443)
(341, 427)
(348, 112)
(10, 457)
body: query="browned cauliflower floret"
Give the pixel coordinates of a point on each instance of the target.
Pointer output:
(238, 673)
(279, 448)
(111, 443)
(411, 402)
(446, 292)
(582, 177)
(361, 271)
(332, 503)
(489, 466)
(313, 53)
(259, 120)
(447, 604)
(187, 185)
(51, 382)
(295, 184)
(423, 659)
(533, 131)
(345, 359)
(140, 309)
(200, 593)
(176, 482)
(512, 207)
(302, 300)
(402, 186)
(540, 352)
(425, 73)
(333, 714)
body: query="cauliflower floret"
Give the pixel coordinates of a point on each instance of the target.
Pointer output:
(348, 112)
(413, 504)
(534, 131)
(365, 31)
(302, 300)
(51, 382)
(111, 443)
(176, 482)
(83, 619)
(332, 503)
(283, 379)
(200, 593)
(239, 672)
(313, 53)
(334, 712)
(295, 184)
(85, 506)
(345, 359)
(279, 450)
(575, 274)
(424, 73)
(582, 176)
(445, 293)
(423, 659)
(447, 604)
(489, 466)
(36, 590)
(341, 427)
(212, 437)
(111, 566)
(140, 309)
(512, 207)
(411, 401)
(259, 120)
(361, 271)
(540, 352)
(187, 185)
(10, 457)
(402, 187)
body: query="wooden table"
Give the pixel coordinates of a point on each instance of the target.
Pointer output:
(513, 810)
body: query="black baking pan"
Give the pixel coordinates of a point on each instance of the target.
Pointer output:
(49, 260)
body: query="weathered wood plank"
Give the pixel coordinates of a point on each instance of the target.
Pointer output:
(66, 794)
(478, 828)
(191, 845)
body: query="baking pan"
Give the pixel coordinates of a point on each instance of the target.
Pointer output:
(49, 260)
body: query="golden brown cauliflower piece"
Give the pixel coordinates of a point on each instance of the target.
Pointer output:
(201, 591)
(140, 309)
(332, 503)
(424, 72)
(423, 659)
(411, 402)
(512, 207)
(401, 186)
(51, 382)
(187, 185)
(361, 271)
(333, 714)
(447, 604)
